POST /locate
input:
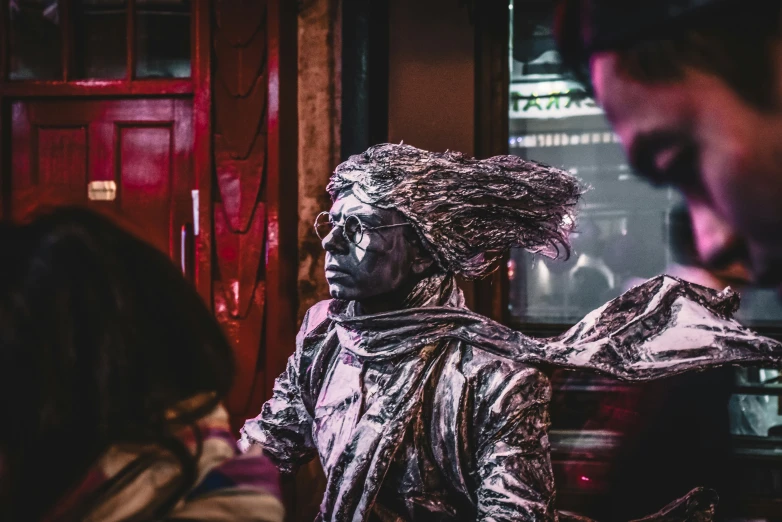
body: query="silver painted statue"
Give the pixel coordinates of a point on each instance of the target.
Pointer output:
(420, 409)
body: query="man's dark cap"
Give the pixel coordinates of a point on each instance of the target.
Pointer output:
(583, 27)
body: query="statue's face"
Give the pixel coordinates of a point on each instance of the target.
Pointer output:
(381, 262)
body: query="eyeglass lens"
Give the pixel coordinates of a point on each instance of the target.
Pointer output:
(352, 228)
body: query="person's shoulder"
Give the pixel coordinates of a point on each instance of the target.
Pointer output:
(500, 392)
(252, 484)
(497, 375)
(492, 375)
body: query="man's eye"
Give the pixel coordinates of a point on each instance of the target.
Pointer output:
(678, 167)
(683, 170)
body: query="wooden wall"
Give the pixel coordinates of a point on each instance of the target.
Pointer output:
(254, 137)
(431, 100)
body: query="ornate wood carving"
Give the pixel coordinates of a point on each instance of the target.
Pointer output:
(240, 118)
(243, 66)
(240, 20)
(239, 192)
(240, 89)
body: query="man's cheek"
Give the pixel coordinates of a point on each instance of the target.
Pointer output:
(363, 247)
(365, 242)
(367, 269)
(745, 207)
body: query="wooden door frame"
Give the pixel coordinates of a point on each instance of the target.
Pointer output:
(280, 322)
(364, 75)
(492, 74)
(201, 77)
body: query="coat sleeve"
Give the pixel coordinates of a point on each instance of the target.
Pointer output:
(513, 462)
(284, 427)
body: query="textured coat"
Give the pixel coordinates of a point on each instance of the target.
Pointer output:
(439, 431)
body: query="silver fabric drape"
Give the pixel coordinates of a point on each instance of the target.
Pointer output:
(436, 413)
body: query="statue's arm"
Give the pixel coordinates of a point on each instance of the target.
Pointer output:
(284, 427)
(513, 458)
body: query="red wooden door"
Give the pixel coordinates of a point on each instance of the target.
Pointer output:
(132, 155)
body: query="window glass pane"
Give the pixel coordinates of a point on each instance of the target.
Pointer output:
(163, 39)
(755, 414)
(621, 234)
(100, 31)
(36, 43)
(627, 230)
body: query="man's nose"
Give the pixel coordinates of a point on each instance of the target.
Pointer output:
(335, 241)
(716, 242)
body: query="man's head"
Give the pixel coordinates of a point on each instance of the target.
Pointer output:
(400, 213)
(370, 251)
(694, 90)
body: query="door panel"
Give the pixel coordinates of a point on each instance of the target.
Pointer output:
(62, 156)
(140, 148)
(145, 182)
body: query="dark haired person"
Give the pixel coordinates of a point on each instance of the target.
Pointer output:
(422, 410)
(112, 373)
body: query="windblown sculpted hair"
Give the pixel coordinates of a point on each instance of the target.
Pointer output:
(467, 212)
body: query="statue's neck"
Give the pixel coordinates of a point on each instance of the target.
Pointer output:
(432, 289)
(388, 302)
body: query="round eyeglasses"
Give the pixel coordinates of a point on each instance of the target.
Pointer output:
(352, 227)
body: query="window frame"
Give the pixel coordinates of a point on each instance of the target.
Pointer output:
(128, 86)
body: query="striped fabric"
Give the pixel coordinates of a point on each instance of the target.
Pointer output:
(230, 486)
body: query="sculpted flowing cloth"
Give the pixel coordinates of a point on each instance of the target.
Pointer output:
(436, 413)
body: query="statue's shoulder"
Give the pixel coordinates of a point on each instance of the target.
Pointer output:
(482, 365)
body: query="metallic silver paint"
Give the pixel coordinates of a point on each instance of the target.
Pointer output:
(436, 413)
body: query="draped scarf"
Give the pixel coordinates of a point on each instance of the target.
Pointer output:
(660, 328)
